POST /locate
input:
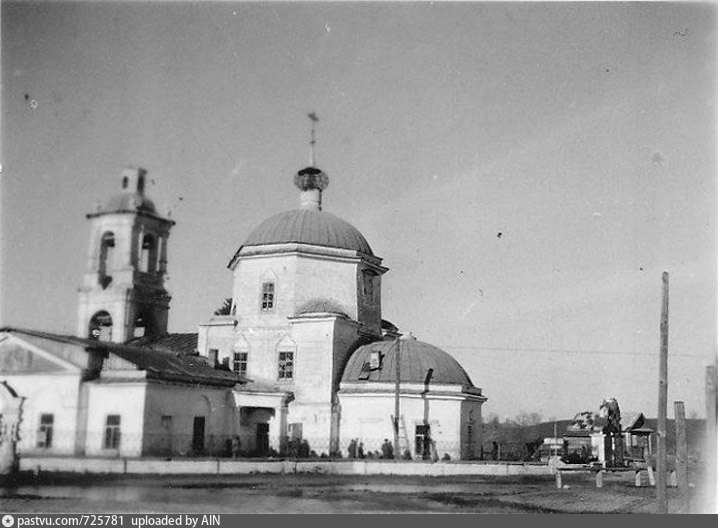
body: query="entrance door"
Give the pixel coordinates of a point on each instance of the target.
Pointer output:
(198, 435)
(262, 439)
(422, 441)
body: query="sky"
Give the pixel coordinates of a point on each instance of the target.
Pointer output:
(527, 171)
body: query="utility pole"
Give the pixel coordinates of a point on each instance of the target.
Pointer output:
(663, 403)
(397, 408)
(710, 448)
(681, 456)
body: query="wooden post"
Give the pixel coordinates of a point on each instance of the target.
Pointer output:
(709, 448)
(559, 483)
(681, 456)
(651, 477)
(661, 497)
(397, 409)
(599, 479)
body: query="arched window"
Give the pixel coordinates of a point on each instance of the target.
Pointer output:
(101, 326)
(148, 256)
(107, 257)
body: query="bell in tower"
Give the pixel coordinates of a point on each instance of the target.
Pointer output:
(123, 293)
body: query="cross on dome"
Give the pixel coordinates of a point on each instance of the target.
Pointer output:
(311, 180)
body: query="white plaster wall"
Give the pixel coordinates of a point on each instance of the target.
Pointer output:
(125, 399)
(316, 423)
(249, 275)
(93, 298)
(327, 279)
(220, 334)
(55, 394)
(298, 278)
(368, 419)
(183, 403)
(313, 360)
(262, 344)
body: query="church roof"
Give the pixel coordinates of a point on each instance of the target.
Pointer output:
(417, 358)
(129, 201)
(181, 343)
(308, 226)
(158, 364)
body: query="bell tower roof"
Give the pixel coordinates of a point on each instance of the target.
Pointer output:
(131, 198)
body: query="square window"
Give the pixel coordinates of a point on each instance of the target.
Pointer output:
(286, 365)
(267, 303)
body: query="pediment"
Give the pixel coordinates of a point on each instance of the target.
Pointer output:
(17, 357)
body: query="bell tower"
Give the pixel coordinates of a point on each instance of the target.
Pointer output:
(123, 293)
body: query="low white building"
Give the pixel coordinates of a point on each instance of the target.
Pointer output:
(302, 357)
(88, 397)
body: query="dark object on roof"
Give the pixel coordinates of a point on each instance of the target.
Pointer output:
(388, 325)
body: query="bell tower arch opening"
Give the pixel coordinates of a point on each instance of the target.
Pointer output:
(101, 326)
(107, 258)
(148, 254)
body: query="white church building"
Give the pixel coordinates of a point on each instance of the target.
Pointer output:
(302, 358)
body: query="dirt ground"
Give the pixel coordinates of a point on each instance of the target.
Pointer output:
(302, 493)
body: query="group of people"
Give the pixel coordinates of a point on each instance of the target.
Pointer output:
(356, 450)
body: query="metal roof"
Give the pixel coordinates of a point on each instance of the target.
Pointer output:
(129, 201)
(417, 358)
(157, 363)
(306, 226)
(178, 343)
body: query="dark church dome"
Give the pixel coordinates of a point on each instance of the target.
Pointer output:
(417, 358)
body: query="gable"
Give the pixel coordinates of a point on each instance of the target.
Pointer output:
(17, 357)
